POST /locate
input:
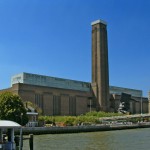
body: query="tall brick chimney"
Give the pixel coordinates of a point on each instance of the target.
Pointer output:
(100, 70)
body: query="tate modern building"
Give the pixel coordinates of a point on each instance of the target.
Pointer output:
(59, 96)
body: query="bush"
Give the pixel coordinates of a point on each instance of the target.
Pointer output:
(102, 114)
(70, 121)
(88, 118)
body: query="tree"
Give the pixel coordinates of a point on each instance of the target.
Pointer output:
(34, 106)
(12, 108)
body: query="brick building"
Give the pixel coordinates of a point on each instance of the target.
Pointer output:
(57, 96)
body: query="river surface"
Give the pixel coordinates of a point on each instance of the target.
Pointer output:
(135, 139)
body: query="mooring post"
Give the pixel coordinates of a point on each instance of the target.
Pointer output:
(31, 141)
(17, 139)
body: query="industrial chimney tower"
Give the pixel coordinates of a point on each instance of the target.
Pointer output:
(100, 70)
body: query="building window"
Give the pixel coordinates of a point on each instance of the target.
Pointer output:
(56, 105)
(72, 105)
(39, 100)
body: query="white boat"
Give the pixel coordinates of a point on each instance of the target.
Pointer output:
(7, 137)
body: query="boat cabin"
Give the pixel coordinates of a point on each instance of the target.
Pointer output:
(8, 141)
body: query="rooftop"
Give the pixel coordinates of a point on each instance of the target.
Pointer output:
(9, 124)
(99, 21)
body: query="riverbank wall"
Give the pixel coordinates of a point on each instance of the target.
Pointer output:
(78, 129)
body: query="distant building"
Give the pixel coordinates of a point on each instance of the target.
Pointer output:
(149, 95)
(120, 90)
(58, 96)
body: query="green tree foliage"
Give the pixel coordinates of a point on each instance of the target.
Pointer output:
(37, 109)
(12, 108)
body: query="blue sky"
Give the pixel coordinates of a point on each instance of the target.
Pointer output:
(53, 37)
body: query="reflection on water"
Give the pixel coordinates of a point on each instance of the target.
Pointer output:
(136, 139)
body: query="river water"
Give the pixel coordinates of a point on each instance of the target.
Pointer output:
(135, 139)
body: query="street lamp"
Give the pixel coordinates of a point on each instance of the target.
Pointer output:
(90, 98)
(90, 104)
(141, 105)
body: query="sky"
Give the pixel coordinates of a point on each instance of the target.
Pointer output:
(53, 38)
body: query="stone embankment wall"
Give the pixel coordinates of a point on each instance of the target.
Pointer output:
(78, 129)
